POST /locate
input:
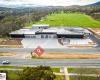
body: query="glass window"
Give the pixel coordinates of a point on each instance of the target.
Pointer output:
(46, 36)
(42, 36)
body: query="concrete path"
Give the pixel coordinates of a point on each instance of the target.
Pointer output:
(66, 73)
(18, 56)
(75, 74)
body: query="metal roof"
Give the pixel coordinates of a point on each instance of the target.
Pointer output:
(58, 30)
(24, 31)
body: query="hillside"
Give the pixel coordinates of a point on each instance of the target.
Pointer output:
(96, 4)
(70, 19)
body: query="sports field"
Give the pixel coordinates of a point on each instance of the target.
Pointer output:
(70, 19)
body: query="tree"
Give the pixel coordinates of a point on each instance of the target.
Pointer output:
(37, 73)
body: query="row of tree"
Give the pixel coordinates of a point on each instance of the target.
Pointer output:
(9, 24)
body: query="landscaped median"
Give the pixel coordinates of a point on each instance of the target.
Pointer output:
(58, 55)
(7, 54)
(10, 46)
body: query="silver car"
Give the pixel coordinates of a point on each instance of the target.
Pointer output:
(5, 62)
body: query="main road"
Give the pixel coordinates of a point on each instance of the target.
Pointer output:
(92, 63)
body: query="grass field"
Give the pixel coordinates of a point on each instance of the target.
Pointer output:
(84, 70)
(70, 19)
(83, 78)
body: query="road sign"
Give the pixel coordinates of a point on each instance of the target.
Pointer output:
(2, 76)
(39, 51)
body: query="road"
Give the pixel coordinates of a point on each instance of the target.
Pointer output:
(59, 63)
(95, 63)
(65, 50)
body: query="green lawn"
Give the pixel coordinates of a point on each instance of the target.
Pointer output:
(16, 67)
(56, 70)
(84, 70)
(12, 67)
(70, 19)
(13, 75)
(59, 77)
(83, 78)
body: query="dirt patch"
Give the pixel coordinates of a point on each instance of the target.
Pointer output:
(11, 43)
(68, 56)
(97, 13)
(7, 54)
(96, 31)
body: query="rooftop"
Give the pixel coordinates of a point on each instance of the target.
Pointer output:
(58, 30)
(24, 31)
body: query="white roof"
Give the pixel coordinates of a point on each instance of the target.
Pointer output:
(64, 31)
(24, 31)
(50, 30)
(57, 30)
(29, 32)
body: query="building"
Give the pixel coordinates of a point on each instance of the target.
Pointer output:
(53, 37)
(44, 31)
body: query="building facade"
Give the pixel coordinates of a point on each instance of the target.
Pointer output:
(44, 31)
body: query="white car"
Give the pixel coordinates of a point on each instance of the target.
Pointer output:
(5, 62)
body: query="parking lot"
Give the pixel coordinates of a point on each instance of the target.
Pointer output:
(54, 43)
